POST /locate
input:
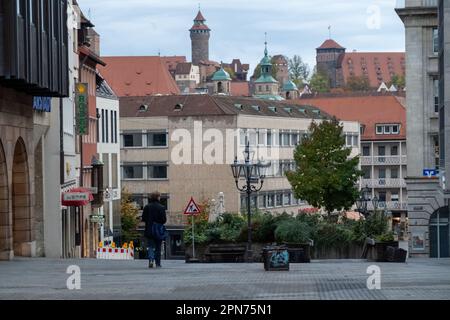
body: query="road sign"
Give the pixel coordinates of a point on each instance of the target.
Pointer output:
(76, 196)
(192, 208)
(430, 173)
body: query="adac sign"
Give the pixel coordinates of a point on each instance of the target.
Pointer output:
(82, 111)
(43, 104)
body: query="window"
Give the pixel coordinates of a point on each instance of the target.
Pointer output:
(436, 95)
(394, 197)
(98, 126)
(348, 141)
(394, 151)
(243, 137)
(21, 8)
(286, 199)
(34, 12)
(286, 139)
(395, 129)
(382, 173)
(294, 139)
(381, 150)
(388, 129)
(252, 137)
(366, 173)
(271, 200)
(132, 140)
(435, 41)
(133, 172)
(394, 173)
(279, 199)
(114, 170)
(157, 171)
(269, 137)
(261, 137)
(157, 139)
(262, 201)
(106, 127)
(103, 125)
(138, 200)
(382, 196)
(366, 151)
(113, 127)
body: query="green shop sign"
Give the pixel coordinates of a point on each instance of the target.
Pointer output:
(82, 111)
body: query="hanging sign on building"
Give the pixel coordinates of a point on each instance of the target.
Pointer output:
(81, 107)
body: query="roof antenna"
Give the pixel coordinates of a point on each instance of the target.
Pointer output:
(329, 31)
(159, 52)
(89, 14)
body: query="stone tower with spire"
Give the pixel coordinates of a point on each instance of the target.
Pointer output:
(200, 34)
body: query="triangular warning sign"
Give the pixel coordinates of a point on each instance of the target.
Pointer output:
(192, 208)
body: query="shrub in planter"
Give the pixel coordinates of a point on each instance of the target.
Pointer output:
(293, 231)
(263, 228)
(332, 234)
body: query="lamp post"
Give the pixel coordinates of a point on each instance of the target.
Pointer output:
(254, 175)
(363, 200)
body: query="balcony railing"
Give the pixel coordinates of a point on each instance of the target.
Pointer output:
(388, 205)
(383, 160)
(383, 183)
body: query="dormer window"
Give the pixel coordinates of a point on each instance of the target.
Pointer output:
(388, 129)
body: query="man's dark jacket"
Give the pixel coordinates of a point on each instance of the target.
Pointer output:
(153, 212)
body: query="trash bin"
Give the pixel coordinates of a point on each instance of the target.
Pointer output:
(296, 255)
(275, 258)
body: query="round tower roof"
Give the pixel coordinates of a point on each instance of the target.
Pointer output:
(289, 86)
(221, 75)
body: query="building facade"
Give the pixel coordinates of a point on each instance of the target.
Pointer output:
(383, 148)
(108, 148)
(187, 77)
(182, 146)
(340, 66)
(420, 18)
(33, 68)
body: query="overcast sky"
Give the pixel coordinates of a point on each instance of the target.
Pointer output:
(144, 27)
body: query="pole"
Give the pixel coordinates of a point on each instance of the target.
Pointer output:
(249, 218)
(193, 237)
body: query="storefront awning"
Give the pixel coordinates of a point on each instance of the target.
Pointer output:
(76, 197)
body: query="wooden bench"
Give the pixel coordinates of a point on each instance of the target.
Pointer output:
(225, 253)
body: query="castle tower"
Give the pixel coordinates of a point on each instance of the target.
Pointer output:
(200, 34)
(328, 61)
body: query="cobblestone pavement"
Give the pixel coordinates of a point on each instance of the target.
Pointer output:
(328, 280)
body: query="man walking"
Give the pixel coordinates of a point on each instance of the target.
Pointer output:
(154, 213)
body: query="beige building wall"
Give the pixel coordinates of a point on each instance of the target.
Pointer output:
(192, 172)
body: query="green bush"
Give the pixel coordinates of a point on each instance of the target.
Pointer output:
(329, 234)
(293, 231)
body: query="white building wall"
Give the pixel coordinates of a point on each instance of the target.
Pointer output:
(108, 149)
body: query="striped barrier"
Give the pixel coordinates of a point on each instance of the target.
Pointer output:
(115, 253)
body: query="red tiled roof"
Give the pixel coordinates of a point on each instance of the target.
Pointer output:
(138, 76)
(367, 110)
(380, 66)
(330, 44)
(199, 16)
(173, 61)
(240, 89)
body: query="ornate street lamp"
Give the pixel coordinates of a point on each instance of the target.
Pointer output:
(254, 175)
(361, 202)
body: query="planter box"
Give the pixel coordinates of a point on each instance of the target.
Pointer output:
(275, 258)
(378, 251)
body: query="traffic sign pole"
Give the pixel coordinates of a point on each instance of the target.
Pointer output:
(193, 237)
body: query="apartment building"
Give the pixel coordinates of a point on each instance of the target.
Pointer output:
(182, 146)
(383, 147)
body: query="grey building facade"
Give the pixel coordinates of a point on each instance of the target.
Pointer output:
(428, 216)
